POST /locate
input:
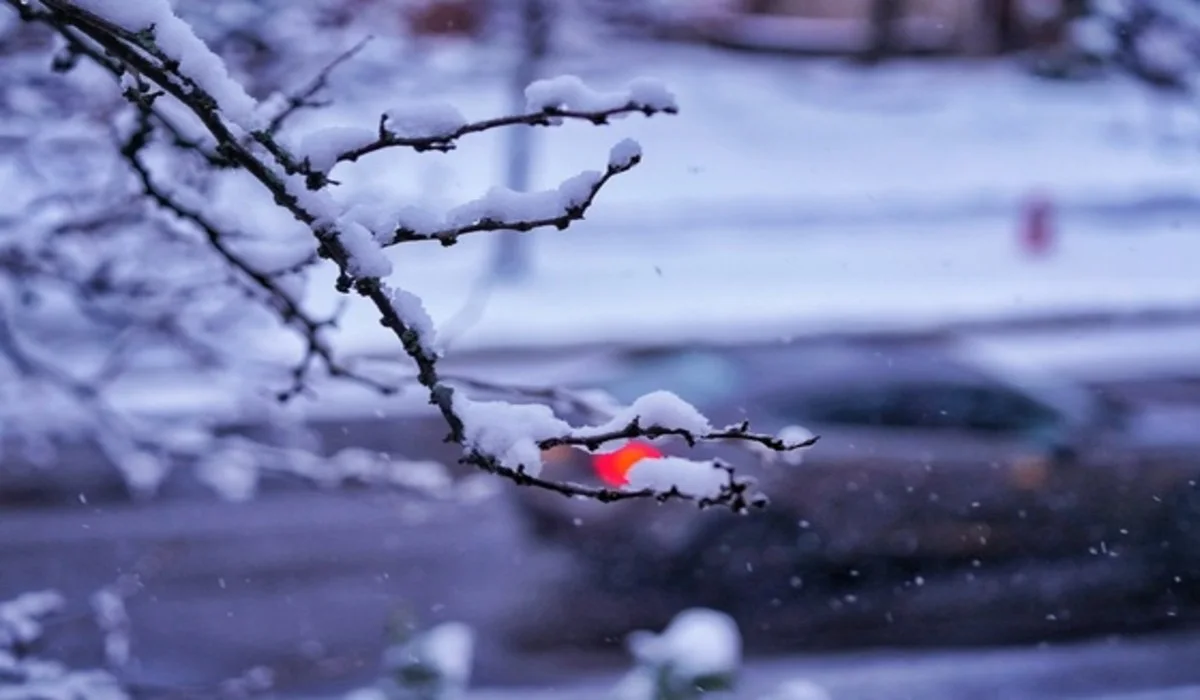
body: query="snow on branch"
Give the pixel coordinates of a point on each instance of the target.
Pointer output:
(439, 126)
(503, 209)
(184, 99)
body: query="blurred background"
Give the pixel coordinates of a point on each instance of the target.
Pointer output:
(957, 239)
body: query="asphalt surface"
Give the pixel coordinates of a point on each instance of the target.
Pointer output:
(306, 583)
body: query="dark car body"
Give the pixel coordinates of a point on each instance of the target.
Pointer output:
(925, 459)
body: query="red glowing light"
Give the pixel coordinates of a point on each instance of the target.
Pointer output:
(613, 467)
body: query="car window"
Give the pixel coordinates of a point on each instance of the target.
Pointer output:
(924, 406)
(699, 377)
(1003, 411)
(844, 406)
(929, 406)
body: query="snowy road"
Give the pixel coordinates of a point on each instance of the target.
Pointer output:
(1160, 668)
(306, 583)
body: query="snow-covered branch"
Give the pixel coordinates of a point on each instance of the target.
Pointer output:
(505, 210)
(186, 107)
(438, 127)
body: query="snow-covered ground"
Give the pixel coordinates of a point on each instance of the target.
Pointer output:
(590, 286)
(1145, 669)
(1103, 670)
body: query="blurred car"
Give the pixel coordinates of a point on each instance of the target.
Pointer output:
(927, 461)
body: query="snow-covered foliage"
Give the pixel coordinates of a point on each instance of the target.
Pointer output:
(432, 664)
(25, 676)
(1155, 41)
(697, 655)
(235, 211)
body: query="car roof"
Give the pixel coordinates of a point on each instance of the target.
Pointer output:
(823, 367)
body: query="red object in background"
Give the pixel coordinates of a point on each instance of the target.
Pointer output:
(1037, 225)
(613, 467)
(446, 17)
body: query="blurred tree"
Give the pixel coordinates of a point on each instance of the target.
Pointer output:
(884, 36)
(511, 261)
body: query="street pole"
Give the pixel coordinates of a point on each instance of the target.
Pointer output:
(510, 259)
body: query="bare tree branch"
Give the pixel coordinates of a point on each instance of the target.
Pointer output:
(305, 98)
(570, 214)
(295, 187)
(551, 116)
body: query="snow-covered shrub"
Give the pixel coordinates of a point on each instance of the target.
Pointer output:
(430, 664)
(697, 655)
(225, 216)
(26, 676)
(1154, 41)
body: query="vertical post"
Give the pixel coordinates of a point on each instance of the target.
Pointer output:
(1037, 232)
(885, 34)
(510, 260)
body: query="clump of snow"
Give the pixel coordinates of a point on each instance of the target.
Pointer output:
(412, 311)
(418, 219)
(795, 439)
(697, 642)
(112, 618)
(504, 204)
(624, 154)
(450, 648)
(424, 121)
(143, 471)
(47, 680)
(569, 92)
(661, 409)
(698, 479)
(425, 476)
(232, 472)
(699, 652)
(319, 203)
(20, 618)
(323, 146)
(431, 664)
(175, 38)
(509, 432)
(577, 189)
(652, 93)
(366, 257)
